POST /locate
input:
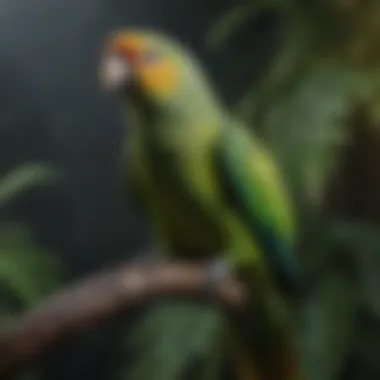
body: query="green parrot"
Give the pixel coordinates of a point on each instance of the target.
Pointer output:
(209, 187)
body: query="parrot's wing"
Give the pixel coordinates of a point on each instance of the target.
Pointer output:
(253, 188)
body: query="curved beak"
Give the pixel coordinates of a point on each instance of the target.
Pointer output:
(115, 74)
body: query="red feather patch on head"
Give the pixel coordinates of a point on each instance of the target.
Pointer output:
(128, 45)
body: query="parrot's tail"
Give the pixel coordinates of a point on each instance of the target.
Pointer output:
(266, 349)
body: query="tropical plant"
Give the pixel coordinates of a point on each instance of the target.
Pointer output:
(27, 271)
(302, 106)
(324, 67)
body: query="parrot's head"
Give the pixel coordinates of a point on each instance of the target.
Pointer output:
(146, 66)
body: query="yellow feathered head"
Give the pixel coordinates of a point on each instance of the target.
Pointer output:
(157, 68)
(149, 60)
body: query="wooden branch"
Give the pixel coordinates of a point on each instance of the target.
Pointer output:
(94, 299)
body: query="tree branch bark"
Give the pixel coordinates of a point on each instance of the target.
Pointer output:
(94, 299)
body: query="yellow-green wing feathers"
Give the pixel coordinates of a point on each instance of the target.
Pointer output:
(254, 189)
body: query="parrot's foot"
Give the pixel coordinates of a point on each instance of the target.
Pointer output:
(217, 271)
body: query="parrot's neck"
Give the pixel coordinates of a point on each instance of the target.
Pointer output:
(178, 124)
(190, 117)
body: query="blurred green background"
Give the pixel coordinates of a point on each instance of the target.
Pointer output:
(303, 73)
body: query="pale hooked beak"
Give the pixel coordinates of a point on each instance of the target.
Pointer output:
(114, 73)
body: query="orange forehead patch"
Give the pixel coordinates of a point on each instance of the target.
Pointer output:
(126, 42)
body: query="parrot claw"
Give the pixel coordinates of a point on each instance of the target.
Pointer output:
(217, 271)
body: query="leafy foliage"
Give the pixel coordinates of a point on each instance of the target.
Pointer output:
(301, 107)
(27, 271)
(185, 348)
(22, 264)
(23, 178)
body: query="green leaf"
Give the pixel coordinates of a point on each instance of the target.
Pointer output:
(328, 327)
(27, 271)
(309, 123)
(24, 177)
(234, 18)
(284, 73)
(173, 337)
